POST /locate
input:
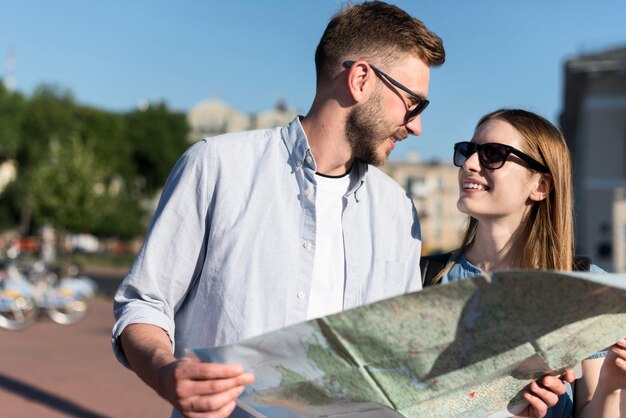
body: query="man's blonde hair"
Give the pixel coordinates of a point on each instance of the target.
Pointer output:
(374, 30)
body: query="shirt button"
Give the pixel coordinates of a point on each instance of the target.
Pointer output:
(307, 192)
(300, 295)
(309, 159)
(307, 245)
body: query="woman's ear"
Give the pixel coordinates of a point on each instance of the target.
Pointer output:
(542, 187)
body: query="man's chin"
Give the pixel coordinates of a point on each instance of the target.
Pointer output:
(380, 161)
(385, 158)
(375, 156)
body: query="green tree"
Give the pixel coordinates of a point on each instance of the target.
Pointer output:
(80, 168)
(67, 188)
(123, 219)
(50, 118)
(70, 192)
(104, 132)
(9, 206)
(12, 111)
(158, 137)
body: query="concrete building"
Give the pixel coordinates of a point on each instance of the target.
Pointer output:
(619, 230)
(214, 117)
(280, 115)
(594, 124)
(434, 189)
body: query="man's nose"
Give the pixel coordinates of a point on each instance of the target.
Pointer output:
(414, 126)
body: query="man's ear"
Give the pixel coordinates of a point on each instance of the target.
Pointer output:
(542, 188)
(361, 81)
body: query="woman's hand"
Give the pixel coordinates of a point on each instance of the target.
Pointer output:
(613, 371)
(600, 388)
(544, 393)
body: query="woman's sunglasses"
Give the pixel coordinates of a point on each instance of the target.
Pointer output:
(492, 155)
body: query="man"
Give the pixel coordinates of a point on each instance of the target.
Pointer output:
(259, 230)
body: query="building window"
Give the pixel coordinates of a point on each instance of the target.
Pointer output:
(417, 186)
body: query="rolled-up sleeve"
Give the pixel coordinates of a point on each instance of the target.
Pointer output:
(171, 256)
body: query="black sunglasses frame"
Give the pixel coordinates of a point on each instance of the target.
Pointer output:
(465, 149)
(422, 102)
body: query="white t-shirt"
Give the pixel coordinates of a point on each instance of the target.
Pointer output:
(326, 295)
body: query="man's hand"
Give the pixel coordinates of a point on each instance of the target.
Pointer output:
(203, 389)
(196, 389)
(544, 393)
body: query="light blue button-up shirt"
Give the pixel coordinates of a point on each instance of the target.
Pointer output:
(229, 254)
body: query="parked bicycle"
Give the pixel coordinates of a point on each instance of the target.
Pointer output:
(29, 288)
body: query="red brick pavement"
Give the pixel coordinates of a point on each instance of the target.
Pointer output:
(54, 371)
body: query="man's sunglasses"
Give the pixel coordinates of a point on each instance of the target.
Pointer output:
(420, 102)
(493, 155)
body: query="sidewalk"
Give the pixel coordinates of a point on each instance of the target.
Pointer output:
(55, 371)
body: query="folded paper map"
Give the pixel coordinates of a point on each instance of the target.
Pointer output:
(465, 349)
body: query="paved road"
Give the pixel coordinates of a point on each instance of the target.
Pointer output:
(55, 371)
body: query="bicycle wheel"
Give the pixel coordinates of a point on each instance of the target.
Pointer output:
(18, 313)
(71, 311)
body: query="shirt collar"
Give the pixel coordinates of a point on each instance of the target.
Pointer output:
(467, 266)
(301, 155)
(298, 145)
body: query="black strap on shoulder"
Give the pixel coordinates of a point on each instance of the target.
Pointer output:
(582, 263)
(431, 265)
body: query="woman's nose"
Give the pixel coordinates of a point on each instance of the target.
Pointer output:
(472, 163)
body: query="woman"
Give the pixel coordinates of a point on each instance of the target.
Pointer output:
(515, 184)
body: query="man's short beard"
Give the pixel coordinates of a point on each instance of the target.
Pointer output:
(365, 132)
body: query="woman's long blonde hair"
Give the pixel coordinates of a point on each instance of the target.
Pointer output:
(548, 234)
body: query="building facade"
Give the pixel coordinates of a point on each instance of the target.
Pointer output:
(434, 189)
(619, 230)
(214, 117)
(594, 124)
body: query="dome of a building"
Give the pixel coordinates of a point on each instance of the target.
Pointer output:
(215, 117)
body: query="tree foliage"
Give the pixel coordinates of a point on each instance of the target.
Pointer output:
(83, 169)
(105, 133)
(158, 137)
(50, 116)
(12, 111)
(67, 187)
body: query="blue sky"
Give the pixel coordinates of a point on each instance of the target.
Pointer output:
(115, 54)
